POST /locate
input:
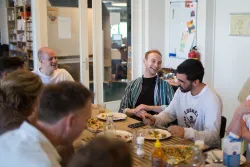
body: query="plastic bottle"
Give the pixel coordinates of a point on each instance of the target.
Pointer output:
(157, 155)
(140, 151)
(109, 127)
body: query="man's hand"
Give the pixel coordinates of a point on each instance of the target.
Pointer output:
(143, 107)
(140, 113)
(176, 131)
(148, 119)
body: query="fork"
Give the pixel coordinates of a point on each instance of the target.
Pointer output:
(217, 159)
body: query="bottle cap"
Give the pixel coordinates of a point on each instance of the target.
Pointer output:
(157, 143)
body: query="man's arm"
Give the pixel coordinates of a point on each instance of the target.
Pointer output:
(156, 109)
(166, 116)
(124, 106)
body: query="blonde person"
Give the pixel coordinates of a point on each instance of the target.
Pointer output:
(240, 124)
(19, 93)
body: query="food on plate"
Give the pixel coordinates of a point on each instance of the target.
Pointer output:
(122, 137)
(95, 125)
(181, 154)
(156, 134)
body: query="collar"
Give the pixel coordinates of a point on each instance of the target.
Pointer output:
(34, 133)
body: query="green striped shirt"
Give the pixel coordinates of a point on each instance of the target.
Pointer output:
(134, 88)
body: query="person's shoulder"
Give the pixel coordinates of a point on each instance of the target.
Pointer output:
(61, 71)
(135, 81)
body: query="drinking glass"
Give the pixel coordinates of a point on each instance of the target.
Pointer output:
(199, 139)
(101, 108)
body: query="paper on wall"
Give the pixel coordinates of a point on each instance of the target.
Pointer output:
(245, 91)
(186, 44)
(64, 27)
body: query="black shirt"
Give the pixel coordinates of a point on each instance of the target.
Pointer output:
(147, 93)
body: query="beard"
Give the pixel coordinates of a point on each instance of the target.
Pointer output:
(187, 89)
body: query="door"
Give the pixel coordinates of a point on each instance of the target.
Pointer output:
(111, 43)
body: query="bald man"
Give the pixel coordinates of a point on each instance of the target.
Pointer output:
(48, 72)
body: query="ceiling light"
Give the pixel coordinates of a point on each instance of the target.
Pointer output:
(113, 8)
(119, 4)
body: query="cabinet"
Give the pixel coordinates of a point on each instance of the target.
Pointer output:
(19, 23)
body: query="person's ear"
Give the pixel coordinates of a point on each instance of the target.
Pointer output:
(69, 122)
(196, 82)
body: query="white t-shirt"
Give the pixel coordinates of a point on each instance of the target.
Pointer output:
(57, 76)
(246, 118)
(27, 146)
(199, 115)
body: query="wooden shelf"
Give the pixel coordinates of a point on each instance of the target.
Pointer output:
(17, 46)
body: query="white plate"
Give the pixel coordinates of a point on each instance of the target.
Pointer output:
(219, 154)
(161, 131)
(120, 134)
(116, 116)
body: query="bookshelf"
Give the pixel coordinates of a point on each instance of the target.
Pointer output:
(19, 23)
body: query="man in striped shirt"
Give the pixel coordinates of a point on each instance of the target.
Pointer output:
(148, 93)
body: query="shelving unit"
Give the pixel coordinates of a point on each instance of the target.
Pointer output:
(20, 30)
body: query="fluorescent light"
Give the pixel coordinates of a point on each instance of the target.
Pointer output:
(113, 8)
(119, 4)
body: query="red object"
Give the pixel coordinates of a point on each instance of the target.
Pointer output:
(194, 54)
(28, 14)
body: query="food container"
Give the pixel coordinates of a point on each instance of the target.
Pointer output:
(178, 154)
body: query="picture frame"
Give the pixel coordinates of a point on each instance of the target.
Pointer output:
(239, 24)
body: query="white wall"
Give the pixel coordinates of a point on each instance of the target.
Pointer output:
(156, 25)
(232, 55)
(3, 22)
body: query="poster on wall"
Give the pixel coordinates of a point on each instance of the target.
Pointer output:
(240, 24)
(52, 14)
(64, 27)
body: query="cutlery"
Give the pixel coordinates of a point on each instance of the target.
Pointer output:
(217, 159)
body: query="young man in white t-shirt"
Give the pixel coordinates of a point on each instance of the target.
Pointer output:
(195, 106)
(49, 73)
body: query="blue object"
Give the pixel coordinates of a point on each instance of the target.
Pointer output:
(172, 54)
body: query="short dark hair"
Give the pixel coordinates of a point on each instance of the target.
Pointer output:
(9, 64)
(58, 100)
(152, 51)
(103, 152)
(192, 68)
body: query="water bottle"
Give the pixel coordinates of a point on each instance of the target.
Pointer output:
(109, 127)
(140, 151)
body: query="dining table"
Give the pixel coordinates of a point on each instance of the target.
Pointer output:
(87, 136)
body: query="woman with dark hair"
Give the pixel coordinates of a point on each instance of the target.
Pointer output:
(103, 152)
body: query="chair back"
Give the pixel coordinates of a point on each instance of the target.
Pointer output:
(223, 126)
